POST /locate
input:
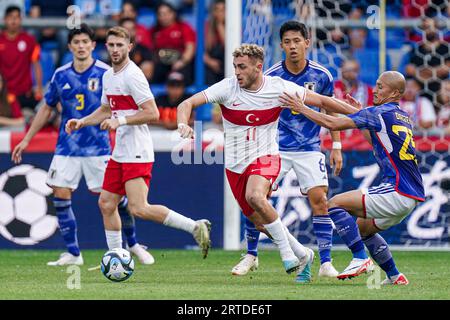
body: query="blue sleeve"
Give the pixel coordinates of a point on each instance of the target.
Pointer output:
(328, 89)
(52, 96)
(367, 119)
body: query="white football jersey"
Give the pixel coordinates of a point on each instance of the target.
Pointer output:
(250, 118)
(124, 91)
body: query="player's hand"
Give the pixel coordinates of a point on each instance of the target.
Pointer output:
(336, 161)
(16, 155)
(110, 124)
(352, 101)
(291, 102)
(185, 131)
(74, 124)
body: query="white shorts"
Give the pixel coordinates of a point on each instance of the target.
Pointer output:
(66, 172)
(309, 168)
(386, 206)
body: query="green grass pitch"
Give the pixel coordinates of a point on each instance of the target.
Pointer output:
(183, 274)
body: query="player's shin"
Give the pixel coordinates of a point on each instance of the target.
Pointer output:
(67, 224)
(279, 237)
(323, 230)
(113, 239)
(348, 231)
(128, 222)
(296, 246)
(379, 251)
(178, 221)
(252, 236)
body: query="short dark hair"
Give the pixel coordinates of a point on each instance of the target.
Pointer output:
(83, 29)
(11, 9)
(293, 25)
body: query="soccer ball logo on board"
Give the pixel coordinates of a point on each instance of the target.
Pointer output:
(27, 215)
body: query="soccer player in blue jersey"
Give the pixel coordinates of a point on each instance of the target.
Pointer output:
(299, 144)
(77, 86)
(389, 129)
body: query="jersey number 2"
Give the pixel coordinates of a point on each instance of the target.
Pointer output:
(408, 139)
(80, 98)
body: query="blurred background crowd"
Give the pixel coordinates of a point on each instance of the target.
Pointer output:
(165, 48)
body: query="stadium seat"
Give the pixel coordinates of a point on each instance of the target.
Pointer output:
(329, 57)
(48, 67)
(395, 38)
(403, 62)
(146, 17)
(189, 18)
(370, 71)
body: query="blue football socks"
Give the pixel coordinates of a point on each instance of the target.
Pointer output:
(67, 224)
(379, 250)
(323, 229)
(348, 231)
(128, 223)
(252, 236)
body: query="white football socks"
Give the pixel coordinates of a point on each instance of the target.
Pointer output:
(178, 221)
(296, 246)
(279, 237)
(113, 239)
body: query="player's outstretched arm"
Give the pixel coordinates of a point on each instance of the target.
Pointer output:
(184, 113)
(38, 123)
(333, 123)
(329, 104)
(96, 117)
(148, 113)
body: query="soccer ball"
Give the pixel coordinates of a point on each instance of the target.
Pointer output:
(117, 265)
(27, 215)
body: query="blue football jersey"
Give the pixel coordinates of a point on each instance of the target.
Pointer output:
(296, 132)
(80, 95)
(393, 147)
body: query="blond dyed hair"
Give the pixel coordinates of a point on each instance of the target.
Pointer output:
(253, 51)
(119, 32)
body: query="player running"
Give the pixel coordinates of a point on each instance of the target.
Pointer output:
(127, 106)
(77, 86)
(377, 208)
(299, 143)
(250, 108)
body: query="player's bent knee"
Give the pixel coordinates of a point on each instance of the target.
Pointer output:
(255, 200)
(334, 202)
(136, 210)
(320, 206)
(106, 207)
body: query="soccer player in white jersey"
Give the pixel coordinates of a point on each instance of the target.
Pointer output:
(299, 142)
(77, 86)
(128, 106)
(251, 108)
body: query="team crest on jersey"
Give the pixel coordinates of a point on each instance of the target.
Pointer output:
(93, 84)
(310, 86)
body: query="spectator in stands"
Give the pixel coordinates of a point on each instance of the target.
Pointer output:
(51, 37)
(10, 114)
(430, 61)
(214, 56)
(168, 103)
(351, 84)
(18, 53)
(140, 54)
(173, 43)
(142, 35)
(420, 109)
(102, 9)
(444, 107)
(7, 3)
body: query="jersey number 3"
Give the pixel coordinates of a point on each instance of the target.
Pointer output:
(80, 98)
(408, 139)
